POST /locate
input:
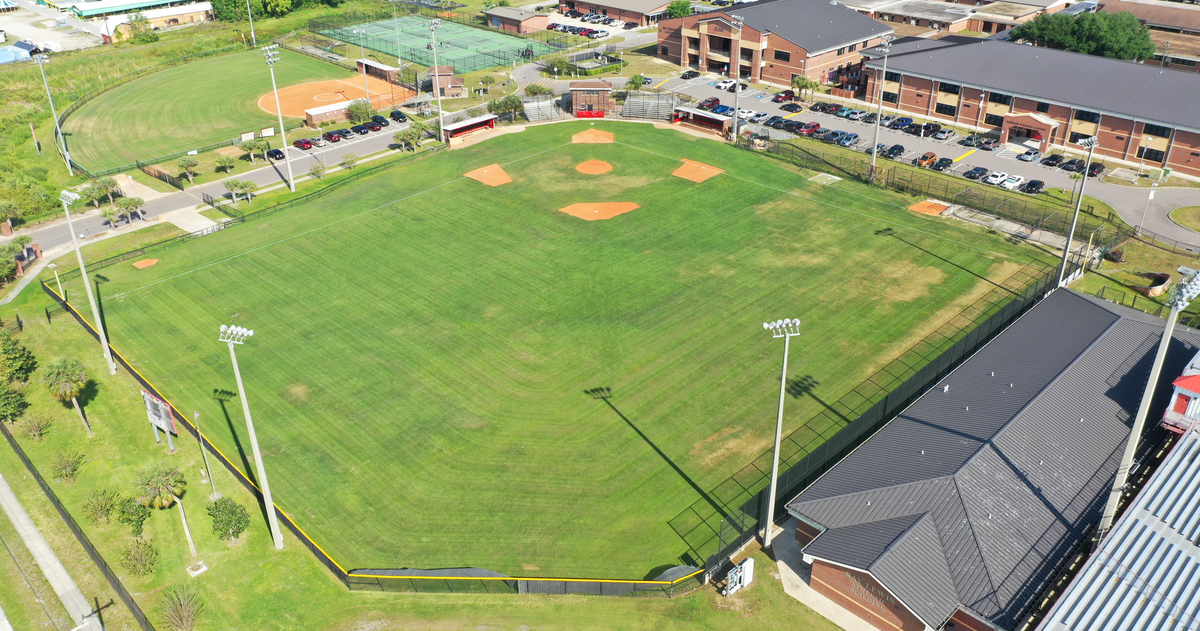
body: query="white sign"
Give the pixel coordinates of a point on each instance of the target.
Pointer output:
(159, 413)
(193, 152)
(248, 136)
(267, 131)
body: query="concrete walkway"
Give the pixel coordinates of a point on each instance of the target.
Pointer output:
(72, 599)
(188, 219)
(5, 625)
(796, 576)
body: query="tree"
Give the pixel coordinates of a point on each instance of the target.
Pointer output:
(420, 127)
(534, 89)
(251, 147)
(110, 215)
(360, 111)
(1113, 35)
(126, 206)
(278, 7)
(135, 204)
(234, 187)
(317, 170)
(66, 379)
(93, 192)
(16, 361)
(635, 82)
(159, 486)
(349, 159)
(230, 519)
(142, 29)
(248, 187)
(226, 163)
(801, 83)
(188, 165)
(487, 80)
(679, 9)
(109, 186)
(12, 403)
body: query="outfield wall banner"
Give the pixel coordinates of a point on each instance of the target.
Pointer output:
(266, 131)
(159, 413)
(248, 136)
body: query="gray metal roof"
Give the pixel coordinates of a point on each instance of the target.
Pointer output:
(999, 465)
(1146, 574)
(1109, 86)
(928, 10)
(815, 25)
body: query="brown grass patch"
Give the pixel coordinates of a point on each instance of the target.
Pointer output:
(297, 393)
(727, 442)
(230, 151)
(592, 137)
(144, 263)
(696, 171)
(593, 167)
(593, 212)
(492, 175)
(529, 567)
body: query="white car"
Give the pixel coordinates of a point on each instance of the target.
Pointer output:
(995, 178)
(617, 24)
(724, 84)
(1013, 182)
(856, 115)
(746, 114)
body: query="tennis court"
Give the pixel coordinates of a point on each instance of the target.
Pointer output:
(466, 48)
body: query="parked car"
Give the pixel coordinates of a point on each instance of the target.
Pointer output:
(332, 136)
(929, 129)
(1033, 187)
(849, 140)
(792, 127)
(372, 125)
(870, 118)
(820, 133)
(995, 178)
(382, 120)
(318, 141)
(834, 137)
(1030, 156)
(361, 130)
(808, 128)
(791, 107)
(818, 107)
(1095, 169)
(973, 140)
(1013, 182)
(887, 120)
(621, 24)
(709, 103)
(784, 97)
(597, 34)
(689, 74)
(275, 154)
(879, 149)
(303, 143)
(856, 115)
(976, 173)
(723, 110)
(724, 84)
(761, 117)
(895, 152)
(990, 144)
(843, 112)
(914, 129)
(738, 87)
(945, 134)
(630, 25)
(927, 159)
(1074, 164)
(553, 26)
(942, 164)
(745, 113)
(1053, 160)
(775, 121)
(901, 123)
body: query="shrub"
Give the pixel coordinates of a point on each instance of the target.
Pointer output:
(65, 465)
(230, 519)
(16, 361)
(36, 427)
(181, 607)
(140, 557)
(1116, 256)
(100, 505)
(360, 111)
(131, 513)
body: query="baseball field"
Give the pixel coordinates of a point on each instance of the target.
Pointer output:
(424, 340)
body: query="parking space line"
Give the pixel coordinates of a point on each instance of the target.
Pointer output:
(964, 155)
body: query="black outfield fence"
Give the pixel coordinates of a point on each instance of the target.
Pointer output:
(91, 550)
(161, 175)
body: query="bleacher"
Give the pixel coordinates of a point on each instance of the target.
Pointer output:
(655, 105)
(541, 108)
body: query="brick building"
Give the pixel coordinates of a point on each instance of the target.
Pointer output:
(779, 40)
(1142, 114)
(591, 99)
(516, 20)
(640, 12)
(962, 510)
(1174, 28)
(443, 82)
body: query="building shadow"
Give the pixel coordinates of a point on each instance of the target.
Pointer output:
(891, 232)
(605, 394)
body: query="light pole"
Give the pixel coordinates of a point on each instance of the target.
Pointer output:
(67, 198)
(250, 13)
(271, 56)
(1149, 197)
(786, 328)
(237, 335)
(1183, 294)
(42, 60)
(885, 48)
(396, 28)
(1090, 143)
(362, 54)
(433, 27)
(735, 62)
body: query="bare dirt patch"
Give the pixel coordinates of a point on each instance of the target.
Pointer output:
(529, 567)
(696, 171)
(297, 393)
(492, 175)
(593, 167)
(144, 263)
(604, 210)
(230, 151)
(592, 136)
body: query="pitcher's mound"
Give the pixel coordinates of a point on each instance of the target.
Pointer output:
(592, 136)
(492, 175)
(593, 167)
(144, 263)
(930, 207)
(696, 171)
(592, 212)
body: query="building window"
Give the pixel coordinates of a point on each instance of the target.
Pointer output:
(993, 120)
(1175, 61)
(1084, 115)
(890, 97)
(1158, 130)
(783, 55)
(841, 51)
(1003, 99)
(853, 47)
(1151, 155)
(665, 50)
(891, 76)
(948, 110)
(1043, 107)
(1076, 137)
(949, 88)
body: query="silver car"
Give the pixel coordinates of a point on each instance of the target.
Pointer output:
(1033, 155)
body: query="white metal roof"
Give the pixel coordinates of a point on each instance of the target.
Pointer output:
(1145, 576)
(332, 107)
(468, 122)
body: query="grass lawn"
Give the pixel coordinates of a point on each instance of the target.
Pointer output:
(1188, 217)
(1115, 279)
(424, 341)
(185, 107)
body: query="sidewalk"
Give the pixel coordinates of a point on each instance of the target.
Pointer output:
(74, 601)
(796, 576)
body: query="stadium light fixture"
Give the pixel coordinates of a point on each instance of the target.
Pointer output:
(362, 54)
(42, 60)
(233, 335)
(271, 55)
(885, 48)
(787, 329)
(434, 25)
(67, 198)
(1090, 144)
(1181, 296)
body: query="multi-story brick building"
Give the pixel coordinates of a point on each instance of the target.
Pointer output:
(779, 40)
(1141, 114)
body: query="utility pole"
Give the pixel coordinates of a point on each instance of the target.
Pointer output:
(362, 54)
(67, 198)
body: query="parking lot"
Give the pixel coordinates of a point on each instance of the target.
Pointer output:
(1003, 159)
(558, 18)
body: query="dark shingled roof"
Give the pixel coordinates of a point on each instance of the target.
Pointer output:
(1130, 90)
(974, 494)
(815, 25)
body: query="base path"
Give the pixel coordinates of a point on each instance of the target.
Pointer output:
(696, 171)
(593, 167)
(492, 175)
(81, 611)
(592, 212)
(592, 136)
(295, 99)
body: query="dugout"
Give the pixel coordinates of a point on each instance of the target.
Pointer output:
(469, 127)
(378, 70)
(707, 121)
(333, 112)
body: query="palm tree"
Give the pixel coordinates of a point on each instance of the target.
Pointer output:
(110, 214)
(226, 163)
(93, 192)
(161, 485)
(109, 186)
(420, 127)
(66, 378)
(234, 187)
(487, 80)
(248, 187)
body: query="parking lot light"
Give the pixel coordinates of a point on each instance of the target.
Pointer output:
(885, 48)
(1090, 143)
(735, 63)
(362, 54)
(271, 55)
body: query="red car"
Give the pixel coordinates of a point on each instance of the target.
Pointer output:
(709, 103)
(808, 128)
(786, 95)
(303, 143)
(372, 125)
(332, 136)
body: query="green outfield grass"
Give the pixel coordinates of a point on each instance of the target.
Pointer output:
(423, 342)
(185, 107)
